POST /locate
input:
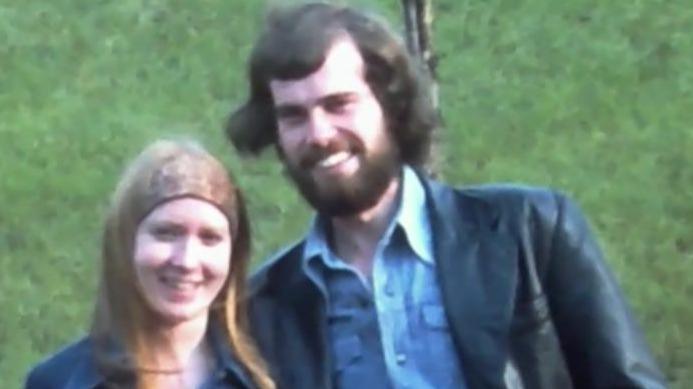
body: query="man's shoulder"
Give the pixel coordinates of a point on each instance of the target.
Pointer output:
(508, 191)
(517, 207)
(56, 370)
(276, 268)
(502, 196)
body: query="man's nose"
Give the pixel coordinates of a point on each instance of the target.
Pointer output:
(320, 128)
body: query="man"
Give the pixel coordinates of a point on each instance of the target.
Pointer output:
(401, 281)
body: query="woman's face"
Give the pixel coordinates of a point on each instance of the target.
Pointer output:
(182, 258)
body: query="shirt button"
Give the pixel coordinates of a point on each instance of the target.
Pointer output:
(401, 358)
(389, 287)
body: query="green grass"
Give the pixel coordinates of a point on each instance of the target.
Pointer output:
(590, 97)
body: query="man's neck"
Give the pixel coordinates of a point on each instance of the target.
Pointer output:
(355, 238)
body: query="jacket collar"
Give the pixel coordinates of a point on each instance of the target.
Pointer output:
(225, 356)
(87, 376)
(477, 270)
(284, 278)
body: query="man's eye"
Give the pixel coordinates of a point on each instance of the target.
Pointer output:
(337, 105)
(290, 115)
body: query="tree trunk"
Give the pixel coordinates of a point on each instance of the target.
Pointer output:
(418, 21)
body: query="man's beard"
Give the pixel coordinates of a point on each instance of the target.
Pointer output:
(345, 196)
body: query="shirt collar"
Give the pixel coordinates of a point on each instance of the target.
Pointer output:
(411, 216)
(316, 238)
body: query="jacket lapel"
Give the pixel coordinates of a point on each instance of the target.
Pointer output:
(85, 375)
(225, 355)
(477, 270)
(309, 307)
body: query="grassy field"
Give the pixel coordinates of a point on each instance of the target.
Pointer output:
(592, 97)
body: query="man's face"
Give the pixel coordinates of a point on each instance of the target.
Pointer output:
(332, 135)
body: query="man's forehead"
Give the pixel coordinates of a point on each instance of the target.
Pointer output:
(343, 52)
(342, 71)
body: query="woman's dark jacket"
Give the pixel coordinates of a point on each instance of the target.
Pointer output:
(529, 299)
(73, 367)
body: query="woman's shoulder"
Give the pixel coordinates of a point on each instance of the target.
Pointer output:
(59, 369)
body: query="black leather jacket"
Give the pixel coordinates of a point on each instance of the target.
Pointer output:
(528, 297)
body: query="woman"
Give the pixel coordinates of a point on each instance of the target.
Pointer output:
(169, 312)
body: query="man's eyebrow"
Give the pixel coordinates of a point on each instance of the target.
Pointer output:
(289, 107)
(339, 96)
(284, 107)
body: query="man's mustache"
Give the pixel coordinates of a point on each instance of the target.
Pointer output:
(316, 153)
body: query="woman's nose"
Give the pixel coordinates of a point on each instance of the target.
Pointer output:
(187, 253)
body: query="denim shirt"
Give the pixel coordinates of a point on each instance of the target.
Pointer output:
(412, 326)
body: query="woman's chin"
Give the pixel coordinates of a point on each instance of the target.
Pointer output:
(173, 314)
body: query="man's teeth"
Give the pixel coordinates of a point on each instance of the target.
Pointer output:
(334, 159)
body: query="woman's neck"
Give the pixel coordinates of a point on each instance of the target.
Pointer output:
(177, 341)
(178, 353)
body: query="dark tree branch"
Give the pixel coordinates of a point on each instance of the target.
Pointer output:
(418, 21)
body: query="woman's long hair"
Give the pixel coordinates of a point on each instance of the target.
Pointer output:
(163, 171)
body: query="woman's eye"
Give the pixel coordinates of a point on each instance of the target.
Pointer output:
(165, 233)
(210, 238)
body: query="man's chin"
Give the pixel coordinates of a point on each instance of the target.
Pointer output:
(337, 208)
(344, 195)
(342, 200)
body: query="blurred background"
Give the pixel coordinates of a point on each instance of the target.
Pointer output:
(591, 97)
